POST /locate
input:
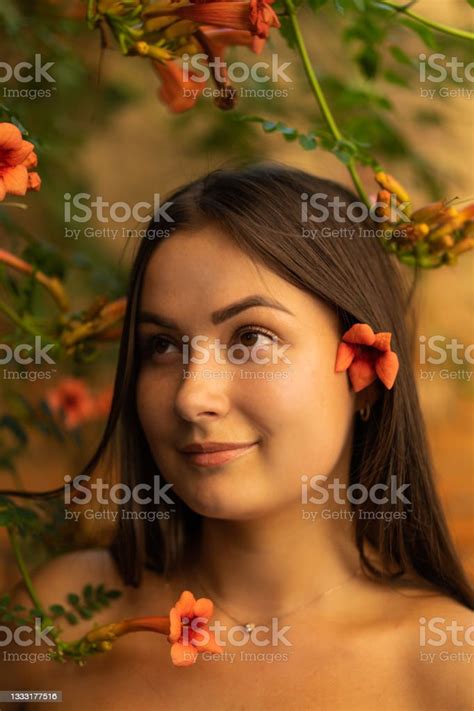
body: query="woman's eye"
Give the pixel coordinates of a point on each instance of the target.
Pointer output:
(255, 337)
(158, 345)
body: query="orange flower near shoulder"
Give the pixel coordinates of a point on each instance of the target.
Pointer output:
(186, 628)
(189, 631)
(16, 157)
(367, 356)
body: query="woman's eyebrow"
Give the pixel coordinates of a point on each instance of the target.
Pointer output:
(220, 315)
(247, 303)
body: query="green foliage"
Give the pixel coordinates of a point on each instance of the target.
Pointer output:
(84, 606)
(307, 141)
(19, 518)
(92, 600)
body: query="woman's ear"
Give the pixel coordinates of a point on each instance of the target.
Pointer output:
(368, 396)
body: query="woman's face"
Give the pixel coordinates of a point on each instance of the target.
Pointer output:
(287, 415)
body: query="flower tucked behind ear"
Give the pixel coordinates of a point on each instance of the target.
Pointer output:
(367, 355)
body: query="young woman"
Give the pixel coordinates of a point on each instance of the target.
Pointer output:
(302, 498)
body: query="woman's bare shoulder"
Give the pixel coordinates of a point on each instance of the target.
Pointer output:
(78, 564)
(53, 582)
(72, 572)
(438, 650)
(72, 569)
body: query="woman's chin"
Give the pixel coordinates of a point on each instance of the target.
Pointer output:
(232, 506)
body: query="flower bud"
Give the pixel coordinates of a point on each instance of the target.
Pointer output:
(428, 212)
(388, 182)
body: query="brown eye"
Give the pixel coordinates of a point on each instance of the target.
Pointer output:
(160, 345)
(254, 337)
(155, 347)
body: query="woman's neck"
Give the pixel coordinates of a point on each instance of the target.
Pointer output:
(262, 567)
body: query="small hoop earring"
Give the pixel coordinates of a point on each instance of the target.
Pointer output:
(364, 412)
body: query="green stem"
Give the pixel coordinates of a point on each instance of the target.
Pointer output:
(351, 167)
(463, 34)
(319, 95)
(24, 571)
(16, 319)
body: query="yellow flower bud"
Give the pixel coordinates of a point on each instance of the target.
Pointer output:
(189, 48)
(182, 27)
(464, 245)
(453, 223)
(162, 6)
(158, 23)
(421, 230)
(383, 204)
(150, 50)
(388, 182)
(447, 241)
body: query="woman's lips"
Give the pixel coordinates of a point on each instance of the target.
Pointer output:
(219, 457)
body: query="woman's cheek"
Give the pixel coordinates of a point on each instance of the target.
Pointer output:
(151, 400)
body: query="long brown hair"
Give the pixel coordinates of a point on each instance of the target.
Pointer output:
(260, 208)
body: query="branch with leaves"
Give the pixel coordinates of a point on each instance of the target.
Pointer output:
(186, 627)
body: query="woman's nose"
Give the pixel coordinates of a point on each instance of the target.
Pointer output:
(203, 392)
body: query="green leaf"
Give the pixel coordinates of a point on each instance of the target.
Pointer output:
(34, 612)
(5, 601)
(368, 61)
(73, 599)
(85, 613)
(289, 134)
(409, 259)
(46, 258)
(395, 78)
(269, 126)
(287, 32)
(401, 56)
(57, 610)
(423, 32)
(88, 592)
(113, 594)
(360, 5)
(308, 143)
(345, 151)
(10, 423)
